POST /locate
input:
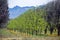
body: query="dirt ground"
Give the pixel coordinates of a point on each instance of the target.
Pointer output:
(34, 38)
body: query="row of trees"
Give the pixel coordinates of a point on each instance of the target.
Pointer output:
(31, 21)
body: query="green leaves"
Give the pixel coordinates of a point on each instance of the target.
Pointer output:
(31, 20)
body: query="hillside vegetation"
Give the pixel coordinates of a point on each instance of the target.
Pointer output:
(40, 21)
(32, 22)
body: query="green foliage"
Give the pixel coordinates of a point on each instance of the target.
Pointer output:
(5, 33)
(31, 21)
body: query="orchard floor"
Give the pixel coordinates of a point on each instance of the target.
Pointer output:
(14, 35)
(37, 38)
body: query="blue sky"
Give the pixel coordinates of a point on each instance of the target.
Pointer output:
(22, 3)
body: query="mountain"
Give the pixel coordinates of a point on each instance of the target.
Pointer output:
(16, 11)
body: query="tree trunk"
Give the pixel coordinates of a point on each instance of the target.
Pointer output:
(45, 31)
(58, 28)
(58, 31)
(51, 30)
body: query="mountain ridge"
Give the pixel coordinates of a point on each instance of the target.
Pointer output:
(16, 11)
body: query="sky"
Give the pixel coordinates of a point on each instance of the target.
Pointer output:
(23, 3)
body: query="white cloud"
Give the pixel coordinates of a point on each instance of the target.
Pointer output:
(22, 3)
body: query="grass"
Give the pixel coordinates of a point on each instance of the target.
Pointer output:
(6, 32)
(11, 34)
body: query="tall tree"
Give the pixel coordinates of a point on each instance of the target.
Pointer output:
(3, 13)
(53, 15)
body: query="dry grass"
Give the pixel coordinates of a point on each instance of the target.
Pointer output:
(36, 38)
(25, 36)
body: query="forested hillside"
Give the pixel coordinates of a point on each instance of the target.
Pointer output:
(39, 20)
(31, 21)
